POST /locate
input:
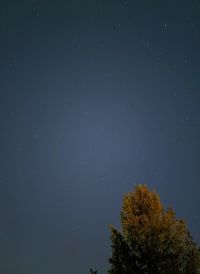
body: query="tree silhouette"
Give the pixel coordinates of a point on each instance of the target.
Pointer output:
(152, 240)
(93, 271)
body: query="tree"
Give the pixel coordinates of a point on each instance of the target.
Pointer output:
(93, 271)
(123, 260)
(152, 240)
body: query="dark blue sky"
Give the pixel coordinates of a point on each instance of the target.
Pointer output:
(95, 96)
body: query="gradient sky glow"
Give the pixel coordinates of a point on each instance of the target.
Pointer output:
(95, 96)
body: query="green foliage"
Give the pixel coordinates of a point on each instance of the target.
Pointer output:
(152, 240)
(122, 260)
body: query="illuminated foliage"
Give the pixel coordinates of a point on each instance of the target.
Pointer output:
(152, 240)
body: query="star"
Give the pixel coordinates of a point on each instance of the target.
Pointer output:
(36, 136)
(57, 203)
(147, 43)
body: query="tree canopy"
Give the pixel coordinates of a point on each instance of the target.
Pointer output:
(152, 240)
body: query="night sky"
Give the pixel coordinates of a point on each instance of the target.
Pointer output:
(95, 97)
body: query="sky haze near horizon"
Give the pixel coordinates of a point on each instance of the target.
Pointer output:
(96, 96)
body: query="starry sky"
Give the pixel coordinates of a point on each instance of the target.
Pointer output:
(95, 97)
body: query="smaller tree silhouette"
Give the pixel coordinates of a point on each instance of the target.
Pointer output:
(93, 271)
